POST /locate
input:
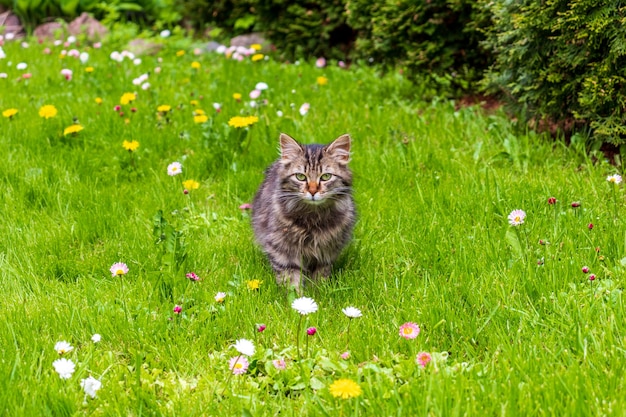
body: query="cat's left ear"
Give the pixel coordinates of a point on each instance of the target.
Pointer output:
(340, 149)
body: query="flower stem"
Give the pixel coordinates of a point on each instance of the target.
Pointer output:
(298, 337)
(230, 375)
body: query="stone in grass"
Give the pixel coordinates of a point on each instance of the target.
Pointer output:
(87, 25)
(50, 30)
(11, 24)
(144, 47)
(250, 39)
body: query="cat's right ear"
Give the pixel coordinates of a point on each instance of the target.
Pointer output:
(289, 148)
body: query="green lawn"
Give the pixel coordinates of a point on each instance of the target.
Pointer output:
(512, 323)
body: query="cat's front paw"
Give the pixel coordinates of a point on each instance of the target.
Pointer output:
(290, 278)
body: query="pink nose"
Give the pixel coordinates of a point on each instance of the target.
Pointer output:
(313, 188)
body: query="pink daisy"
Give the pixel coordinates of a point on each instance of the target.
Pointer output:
(118, 268)
(192, 276)
(279, 364)
(517, 217)
(238, 364)
(409, 330)
(423, 358)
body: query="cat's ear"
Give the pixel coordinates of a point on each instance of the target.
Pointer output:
(289, 148)
(339, 149)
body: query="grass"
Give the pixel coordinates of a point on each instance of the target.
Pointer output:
(514, 326)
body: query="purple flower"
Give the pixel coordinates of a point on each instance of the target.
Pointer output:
(311, 331)
(178, 309)
(192, 276)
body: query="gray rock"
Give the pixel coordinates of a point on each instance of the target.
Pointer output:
(248, 39)
(87, 25)
(144, 47)
(50, 30)
(12, 24)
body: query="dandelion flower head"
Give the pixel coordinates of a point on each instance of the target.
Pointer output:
(164, 108)
(47, 111)
(244, 346)
(304, 305)
(191, 184)
(118, 268)
(72, 129)
(127, 98)
(409, 330)
(130, 146)
(321, 80)
(517, 217)
(195, 65)
(242, 121)
(201, 118)
(238, 365)
(257, 57)
(345, 388)
(254, 284)
(9, 113)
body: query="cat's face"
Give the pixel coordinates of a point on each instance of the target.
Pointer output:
(315, 174)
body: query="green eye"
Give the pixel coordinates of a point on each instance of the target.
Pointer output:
(326, 177)
(300, 177)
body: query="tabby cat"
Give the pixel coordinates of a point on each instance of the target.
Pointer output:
(303, 213)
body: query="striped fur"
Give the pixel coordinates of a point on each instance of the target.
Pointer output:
(303, 213)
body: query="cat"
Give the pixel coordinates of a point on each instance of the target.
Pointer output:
(303, 213)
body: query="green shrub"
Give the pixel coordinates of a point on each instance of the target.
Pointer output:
(35, 12)
(434, 40)
(563, 60)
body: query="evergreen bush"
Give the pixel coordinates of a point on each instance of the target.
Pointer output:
(562, 60)
(436, 40)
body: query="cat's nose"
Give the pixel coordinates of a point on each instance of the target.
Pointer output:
(313, 188)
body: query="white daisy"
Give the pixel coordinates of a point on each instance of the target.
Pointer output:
(616, 179)
(517, 217)
(245, 347)
(64, 367)
(304, 305)
(174, 168)
(96, 338)
(63, 347)
(90, 385)
(352, 312)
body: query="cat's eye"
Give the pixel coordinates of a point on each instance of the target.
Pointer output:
(326, 176)
(300, 176)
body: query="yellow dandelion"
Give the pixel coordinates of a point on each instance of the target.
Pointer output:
(256, 46)
(9, 113)
(257, 57)
(191, 184)
(201, 118)
(89, 69)
(130, 146)
(322, 80)
(127, 98)
(47, 111)
(164, 108)
(180, 53)
(195, 65)
(345, 388)
(198, 112)
(61, 56)
(254, 284)
(127, 121)
(242, 121)
(194, 102)
(73, 129)
(98, 100)
(237, 96)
